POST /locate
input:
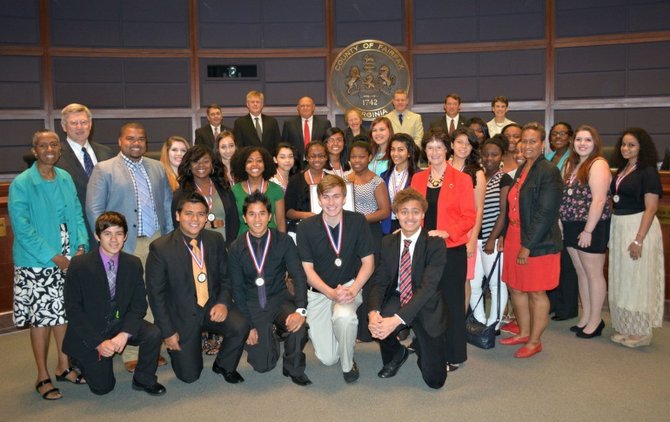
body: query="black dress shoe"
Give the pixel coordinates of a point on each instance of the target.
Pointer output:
(232, 377)
(155, 390)
(301, 380)
(390, 369)
(352, 375)
(576, 328)
(597, 332)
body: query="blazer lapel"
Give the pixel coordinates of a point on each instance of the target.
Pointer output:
(417, 257)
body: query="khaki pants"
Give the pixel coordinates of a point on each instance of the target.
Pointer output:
(333, 328)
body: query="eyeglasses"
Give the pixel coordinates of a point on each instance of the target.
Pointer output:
(559, 133)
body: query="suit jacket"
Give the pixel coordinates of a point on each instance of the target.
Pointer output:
(110, 188)
(455, 204)
(245, 133)
(88, 303)
(442, 122)
(170, 284)
(411, 124)
(205, 136)
(428, 261)
(293, 133)
(68, 161)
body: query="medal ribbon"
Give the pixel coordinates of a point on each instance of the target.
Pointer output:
(249, 186)
(311, 179)
(208, 198)
(337, 247)
(622, 176)
(199, 260)
(259, 266)
(397, 187)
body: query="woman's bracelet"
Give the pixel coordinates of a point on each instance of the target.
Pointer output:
(637, 243)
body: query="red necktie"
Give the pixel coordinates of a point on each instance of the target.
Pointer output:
(306, 133)
(405, 285)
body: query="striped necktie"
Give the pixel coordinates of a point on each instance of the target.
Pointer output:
(405, 284)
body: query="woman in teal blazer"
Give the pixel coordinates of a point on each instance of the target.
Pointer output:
(49, 229)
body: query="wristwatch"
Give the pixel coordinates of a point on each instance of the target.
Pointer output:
(301, 311)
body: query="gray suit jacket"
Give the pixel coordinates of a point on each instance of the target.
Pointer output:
(411, 124)
(110, 188)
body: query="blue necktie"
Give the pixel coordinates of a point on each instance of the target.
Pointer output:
(400, 118)
(88, 163)
(146, 202)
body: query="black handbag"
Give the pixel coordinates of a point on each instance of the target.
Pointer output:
(476, 333)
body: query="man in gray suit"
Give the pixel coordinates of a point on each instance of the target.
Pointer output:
(137, 187)
(403, 120)
(78, 154)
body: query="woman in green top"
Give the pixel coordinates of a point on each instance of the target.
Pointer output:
(253, 168)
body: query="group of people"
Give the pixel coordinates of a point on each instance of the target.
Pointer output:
(251, 237)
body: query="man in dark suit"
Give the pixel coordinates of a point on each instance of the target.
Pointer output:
(78, 154)
(207, 134)
(258, 263)
(405, 293)
(452, 118)
(189, 292)
(105, 303)
(306, 127)
(255, 128)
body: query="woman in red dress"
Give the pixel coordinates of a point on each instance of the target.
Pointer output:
(532, 241)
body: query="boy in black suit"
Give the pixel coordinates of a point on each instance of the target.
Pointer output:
(105, 303)
(405, 293)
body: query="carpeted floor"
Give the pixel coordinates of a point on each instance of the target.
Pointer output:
(571, 380)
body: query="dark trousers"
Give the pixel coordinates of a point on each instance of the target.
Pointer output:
(98, 371)
(453, 289)
(187, 362)
(431, 351)
(563, 299)
(264, 355)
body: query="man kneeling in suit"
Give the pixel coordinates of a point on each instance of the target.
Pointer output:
(258, 263)
(105, 302)
(189, 292)
(405, 293)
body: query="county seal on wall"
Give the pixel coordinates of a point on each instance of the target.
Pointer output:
(365, 75)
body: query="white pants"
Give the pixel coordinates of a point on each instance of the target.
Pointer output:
(333, 328)
(483, 266)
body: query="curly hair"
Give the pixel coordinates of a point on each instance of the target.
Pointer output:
(648, 155)
(238, 163)
(193, 155)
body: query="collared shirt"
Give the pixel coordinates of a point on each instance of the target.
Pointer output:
(133, 169)
(214, 129)
(76, 148)
(282, 256)
(310, 123)
(455, 119)
(314, 246)
(412, 245)
(106, 259)
(260, 120)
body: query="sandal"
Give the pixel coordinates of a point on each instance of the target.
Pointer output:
(212, 345)
(45, 395)
(63, 377)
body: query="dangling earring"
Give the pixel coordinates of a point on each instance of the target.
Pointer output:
(501, 165)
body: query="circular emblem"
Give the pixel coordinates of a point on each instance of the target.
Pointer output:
(365, 75)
